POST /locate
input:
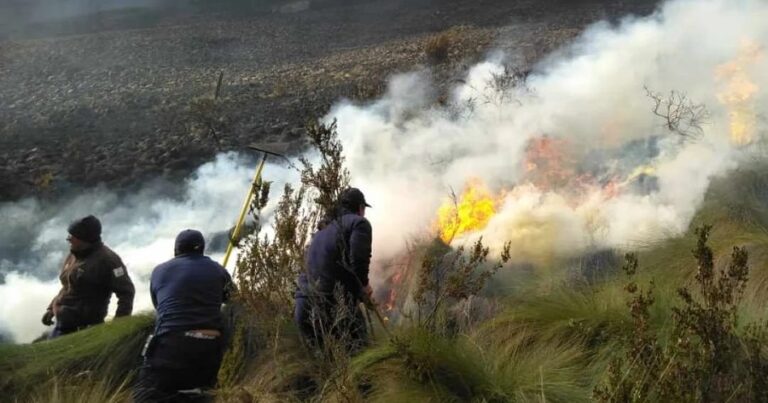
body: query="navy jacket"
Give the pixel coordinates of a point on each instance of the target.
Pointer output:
(327, 266)
(187, 292)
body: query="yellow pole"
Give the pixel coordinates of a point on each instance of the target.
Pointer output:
(244, 211)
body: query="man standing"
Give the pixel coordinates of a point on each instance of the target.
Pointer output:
(186, 349)
(335, 279)
(90, 274)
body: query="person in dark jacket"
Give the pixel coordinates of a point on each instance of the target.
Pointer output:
(336, 276)
(90, 274)
(186, 349)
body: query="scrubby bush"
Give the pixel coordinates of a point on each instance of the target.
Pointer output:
(269, 265)
(447, 277)
(207, 121)
(438, 47)
(708, 357)
(267, 271)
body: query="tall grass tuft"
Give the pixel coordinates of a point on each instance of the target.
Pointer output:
(62, 390)
(417, 363)
(106, 354)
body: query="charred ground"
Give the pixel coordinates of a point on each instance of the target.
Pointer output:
(110, 98)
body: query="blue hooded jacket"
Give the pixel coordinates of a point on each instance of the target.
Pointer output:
(325, 263)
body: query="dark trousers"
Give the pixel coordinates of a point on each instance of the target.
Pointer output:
(321, 318)
(61, 330)
(175, 364)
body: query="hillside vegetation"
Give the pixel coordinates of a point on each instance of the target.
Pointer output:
(683, 321)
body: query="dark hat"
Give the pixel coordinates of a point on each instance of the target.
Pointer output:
(353, 197)
(86, 229)
(189, 241)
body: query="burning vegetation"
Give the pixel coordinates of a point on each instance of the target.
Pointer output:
(739, 91)
(467, 212)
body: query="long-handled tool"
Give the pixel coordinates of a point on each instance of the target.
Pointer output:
(381, 320)
(369, 322)
(276, 149)
(371, 305)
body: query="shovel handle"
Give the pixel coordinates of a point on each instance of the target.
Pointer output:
(243, 212)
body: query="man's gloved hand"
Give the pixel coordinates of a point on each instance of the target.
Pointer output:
(48, 318)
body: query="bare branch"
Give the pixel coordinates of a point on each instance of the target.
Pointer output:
(680, 114)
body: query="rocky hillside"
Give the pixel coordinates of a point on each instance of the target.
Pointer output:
(119, 97)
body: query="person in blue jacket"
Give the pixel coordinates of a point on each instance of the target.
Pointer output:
(336, 276)
(186, 349)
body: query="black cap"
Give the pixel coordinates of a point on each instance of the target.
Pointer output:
(353, 197)
(189, 241)
(86, 229)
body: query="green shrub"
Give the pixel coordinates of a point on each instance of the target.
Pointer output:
(708, 358)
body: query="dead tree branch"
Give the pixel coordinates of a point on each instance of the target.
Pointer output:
(679, 113)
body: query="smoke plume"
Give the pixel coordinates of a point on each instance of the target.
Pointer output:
(573, 153)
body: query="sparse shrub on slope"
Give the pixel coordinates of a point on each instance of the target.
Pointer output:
(438, 47)
(267, 271)
(709, 358)
(207, 119)
(448, 276)
(269, 265)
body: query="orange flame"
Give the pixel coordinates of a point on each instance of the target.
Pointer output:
(550, 165)
(547, 164)
(470, 212)
(395, 280)
(738, 93)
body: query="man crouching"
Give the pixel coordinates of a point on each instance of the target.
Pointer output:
(185, 351)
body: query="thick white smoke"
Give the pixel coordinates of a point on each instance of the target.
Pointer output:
(141, 228)
(407, 153)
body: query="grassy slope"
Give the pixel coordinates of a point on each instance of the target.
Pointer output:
(107, 355)
(549, 342)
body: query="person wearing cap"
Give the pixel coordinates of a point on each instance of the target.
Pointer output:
(90, 274)
(337, 263)
(185, 351)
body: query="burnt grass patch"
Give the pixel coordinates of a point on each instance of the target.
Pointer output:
(109, 103)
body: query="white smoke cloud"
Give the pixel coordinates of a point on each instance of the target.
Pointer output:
(407, 154)
(24, 299)
(141, 228)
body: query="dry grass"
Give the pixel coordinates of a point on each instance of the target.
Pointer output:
(438, 47)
